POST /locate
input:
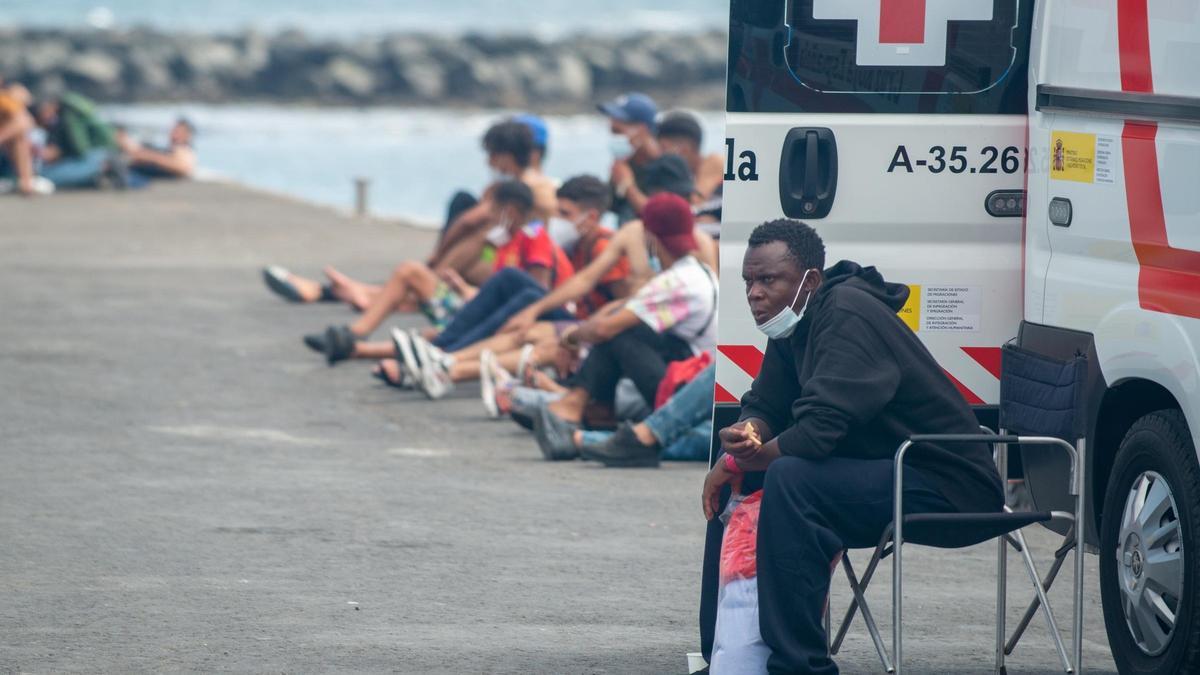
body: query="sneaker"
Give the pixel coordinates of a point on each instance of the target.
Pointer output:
(623, 449)
(407, 355)
(435, 375)
(42, 186)
(555, 436)
(487, 383)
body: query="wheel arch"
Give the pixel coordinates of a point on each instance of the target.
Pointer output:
(1123, 403)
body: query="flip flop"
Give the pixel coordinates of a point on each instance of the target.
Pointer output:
(276, 278)
(380, 373)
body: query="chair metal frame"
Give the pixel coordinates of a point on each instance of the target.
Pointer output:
(895, 536)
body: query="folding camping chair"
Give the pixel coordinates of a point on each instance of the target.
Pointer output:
(1041, 403)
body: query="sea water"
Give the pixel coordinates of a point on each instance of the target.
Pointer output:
(415, 159)
(356, 17)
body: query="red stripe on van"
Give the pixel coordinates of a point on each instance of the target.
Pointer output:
(902, 21)
(747, 357)
(1169, 278)
(722, 395)
(988, 357)
(1133, 40)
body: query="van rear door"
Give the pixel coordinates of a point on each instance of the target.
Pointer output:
(897, 129)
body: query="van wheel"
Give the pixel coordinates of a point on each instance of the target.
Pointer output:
(1148, 537)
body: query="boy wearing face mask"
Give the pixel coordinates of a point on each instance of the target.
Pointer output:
(640, 167)
(524, 255)
(843, 382)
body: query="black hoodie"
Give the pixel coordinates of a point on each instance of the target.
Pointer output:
(854, 381)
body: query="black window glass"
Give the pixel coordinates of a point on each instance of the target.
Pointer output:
(886, 56)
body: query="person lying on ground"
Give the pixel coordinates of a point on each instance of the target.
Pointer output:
(680, 133)
(523, 245)
(81, 148)
(16, 149)
(680, 430)
(843, 382)
(672, 317)
(463, 246)
(640, 169)
(178, 160)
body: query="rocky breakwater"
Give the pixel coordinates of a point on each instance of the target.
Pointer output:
(408, 69)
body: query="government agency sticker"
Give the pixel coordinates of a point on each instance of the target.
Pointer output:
(1073, 157)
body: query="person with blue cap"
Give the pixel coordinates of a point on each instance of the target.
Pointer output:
(541, 137)
(640, 168)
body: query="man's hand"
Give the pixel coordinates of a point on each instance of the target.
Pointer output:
(521, 321)
(716, 478)
(622, 175)
(741, 440)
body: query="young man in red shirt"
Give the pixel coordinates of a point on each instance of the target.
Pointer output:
(525, 247)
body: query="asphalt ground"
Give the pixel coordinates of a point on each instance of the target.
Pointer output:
(184, 487)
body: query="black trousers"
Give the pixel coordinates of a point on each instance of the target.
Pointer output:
(811, 511)
(637, 353)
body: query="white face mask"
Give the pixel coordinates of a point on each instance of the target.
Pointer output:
(620, 146)
(499, 235)
(499, 176)
(564, 232)
(783, 324)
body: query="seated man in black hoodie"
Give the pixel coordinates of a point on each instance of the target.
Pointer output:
(842, 384)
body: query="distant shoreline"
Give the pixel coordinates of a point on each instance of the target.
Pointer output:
(469, 71)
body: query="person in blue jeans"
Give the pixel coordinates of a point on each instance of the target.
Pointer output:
(680, 430)
(503, 295)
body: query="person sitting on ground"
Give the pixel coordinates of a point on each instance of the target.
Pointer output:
(524, 245)
(680, 430)
(511, 152)
(81, 148)
(680, 133)
(843, 383)
(640, 168)
(463, 200)
(582, 202)
(16, 149)
(178, 160)
(671, 318)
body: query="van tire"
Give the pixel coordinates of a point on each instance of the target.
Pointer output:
(1157, 446)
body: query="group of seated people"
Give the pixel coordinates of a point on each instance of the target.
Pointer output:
(62, 142)
(586, 309)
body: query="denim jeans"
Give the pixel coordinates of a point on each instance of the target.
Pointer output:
(502, 296)
(76, 172)
(683, 426)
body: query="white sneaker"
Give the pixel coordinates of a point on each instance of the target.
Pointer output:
(487, 383)
(42, 186)
(408, 359)
(435, 376)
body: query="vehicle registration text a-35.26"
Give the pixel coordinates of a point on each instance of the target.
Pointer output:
(957, 159)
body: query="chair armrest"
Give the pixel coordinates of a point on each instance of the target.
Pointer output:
(962, 438)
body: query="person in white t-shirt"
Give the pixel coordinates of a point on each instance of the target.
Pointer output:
(671, 318)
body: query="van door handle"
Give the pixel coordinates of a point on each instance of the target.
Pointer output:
(808, 172)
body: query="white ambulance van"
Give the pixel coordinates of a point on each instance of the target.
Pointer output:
(1032, 171)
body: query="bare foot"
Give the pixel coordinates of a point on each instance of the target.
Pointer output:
(309, 290)
(388, 370)
(560, 409)
(644, 435)
(348, 290)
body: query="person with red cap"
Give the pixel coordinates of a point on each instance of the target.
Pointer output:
(671, 318)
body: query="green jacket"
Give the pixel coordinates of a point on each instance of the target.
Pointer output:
(80, 128)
